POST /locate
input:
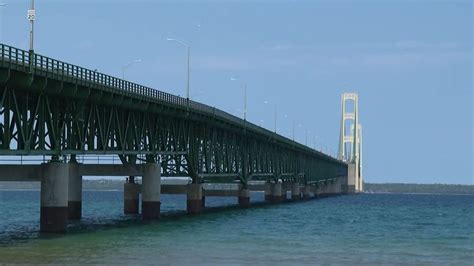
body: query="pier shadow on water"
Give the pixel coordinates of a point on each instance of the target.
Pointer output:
(102, 210)
(364, 229)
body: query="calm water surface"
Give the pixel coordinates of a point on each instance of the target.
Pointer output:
(361, 229)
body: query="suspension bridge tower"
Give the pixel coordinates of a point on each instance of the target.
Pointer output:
(350, 142)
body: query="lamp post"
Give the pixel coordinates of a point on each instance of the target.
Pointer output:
(306, 138)
(188, 48)
(124, 67)
(31, 15)
(244, 85)
(289, 133)
(293, 130)
(275, 121)
(300, 126)
(275, 116)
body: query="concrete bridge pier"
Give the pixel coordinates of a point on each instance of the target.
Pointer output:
(338, 186)
(343, 181)
(54, 197)
(277, 193)
(151, 191)
(131, 194)
(295, 191)
(318, 191)
(194, 198)
(268, 192)
(351, 179)
(329, 189)
(74, 192)
(306, 192)
(323, 190)
(244, 196)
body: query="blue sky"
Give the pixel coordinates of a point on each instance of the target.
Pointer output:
(410, 62)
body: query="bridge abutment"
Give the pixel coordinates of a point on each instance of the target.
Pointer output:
(151, 191)
(194, 202)
(54, 197)
(131, 191)
(74, 192)
(295, 191)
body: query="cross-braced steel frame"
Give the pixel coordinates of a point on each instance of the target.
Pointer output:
(48, 107)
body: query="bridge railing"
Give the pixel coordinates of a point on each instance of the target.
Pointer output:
(18, 59)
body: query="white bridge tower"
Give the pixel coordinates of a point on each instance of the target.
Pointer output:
(350, 142)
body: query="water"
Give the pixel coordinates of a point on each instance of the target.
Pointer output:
(360, 229)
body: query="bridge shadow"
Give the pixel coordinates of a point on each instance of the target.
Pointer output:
(25, 233)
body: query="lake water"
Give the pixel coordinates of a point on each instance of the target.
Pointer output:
(358, 229)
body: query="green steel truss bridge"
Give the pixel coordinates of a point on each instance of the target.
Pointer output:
(52, 108)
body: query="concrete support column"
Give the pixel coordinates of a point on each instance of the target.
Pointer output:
(268, 192)
(74, 203)
(323, 191)
(351, 178)
(295, 191)
(344, 189)
(277, 195)
(54, 197)
(306, 192)
(318, 191)
(330, 189)
(131, 192)
(337, 186)
(244, 196)
(284, 191)
(194, 199)
(151, 191)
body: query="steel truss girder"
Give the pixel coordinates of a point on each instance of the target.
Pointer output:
(50, 118)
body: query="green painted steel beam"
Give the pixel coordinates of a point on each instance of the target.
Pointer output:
(62, 109)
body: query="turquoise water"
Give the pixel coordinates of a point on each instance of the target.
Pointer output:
(360, 229)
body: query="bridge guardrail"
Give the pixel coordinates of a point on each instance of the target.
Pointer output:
(20, 60)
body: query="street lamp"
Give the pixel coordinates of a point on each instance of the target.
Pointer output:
(293, 130)
(31, 17)
(124, 67)
(275, 120)
(244, 85)
(306, 139)
(299, 126)
(189, 52)
(275, 117)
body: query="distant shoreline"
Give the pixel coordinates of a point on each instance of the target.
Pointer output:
(422, 193)
(452, 189)
(394, 188)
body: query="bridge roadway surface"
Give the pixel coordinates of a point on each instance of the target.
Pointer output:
(61, 111)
